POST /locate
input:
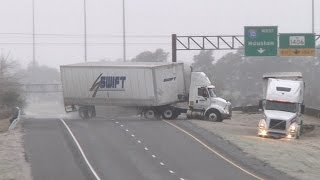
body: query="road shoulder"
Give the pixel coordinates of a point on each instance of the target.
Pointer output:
(297, 158)
(12, 155)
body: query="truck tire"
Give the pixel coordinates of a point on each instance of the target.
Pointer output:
(83, 113)
(297, 136)
(91, 111)
(168, 113)
(150, 114)
(213, 115)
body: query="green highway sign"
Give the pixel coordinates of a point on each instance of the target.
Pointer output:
(261, 40)
(297, 44)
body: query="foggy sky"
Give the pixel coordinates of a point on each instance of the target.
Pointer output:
(156, 19)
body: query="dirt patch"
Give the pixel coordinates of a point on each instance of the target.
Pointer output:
(298, 158)
(4, 125)
(13, 165)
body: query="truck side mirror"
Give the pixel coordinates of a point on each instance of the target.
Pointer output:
(260, 103)
(302, 108)
(260, 106)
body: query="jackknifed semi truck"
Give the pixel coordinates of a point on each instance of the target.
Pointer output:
(155, 89)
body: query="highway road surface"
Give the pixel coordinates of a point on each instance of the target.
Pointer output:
(133, 148)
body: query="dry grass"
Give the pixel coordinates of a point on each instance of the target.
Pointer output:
(4, 125)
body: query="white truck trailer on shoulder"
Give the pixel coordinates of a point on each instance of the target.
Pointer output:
(154, 88)
(282, 105)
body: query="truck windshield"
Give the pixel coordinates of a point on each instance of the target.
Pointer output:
(281, 106)
(211, 92)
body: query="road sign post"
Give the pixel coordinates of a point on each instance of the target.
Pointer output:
(297, 44)
(261, 40)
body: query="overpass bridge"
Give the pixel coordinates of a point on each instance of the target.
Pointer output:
(40, 88)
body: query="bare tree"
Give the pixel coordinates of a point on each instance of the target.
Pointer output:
(7, 65)
(10, 93)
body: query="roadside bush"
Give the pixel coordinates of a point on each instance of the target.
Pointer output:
(12, 99)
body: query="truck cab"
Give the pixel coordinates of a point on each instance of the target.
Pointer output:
(282, 105)
(203, 102)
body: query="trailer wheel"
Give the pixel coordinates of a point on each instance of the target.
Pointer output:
(150, 114)
(169, 113)
(83, 113)
(213, 115)
(91, 111)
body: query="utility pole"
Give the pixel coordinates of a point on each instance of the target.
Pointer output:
(313, 31)
(85, 29)
(33, 35)
(124, 30)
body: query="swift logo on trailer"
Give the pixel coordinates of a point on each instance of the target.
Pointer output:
(108, 83)
(169, 79)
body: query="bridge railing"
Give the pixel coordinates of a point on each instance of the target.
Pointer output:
(40, 88)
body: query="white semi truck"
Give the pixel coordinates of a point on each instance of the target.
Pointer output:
(156, 89)
(282, 105)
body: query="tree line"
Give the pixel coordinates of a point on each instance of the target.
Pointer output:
(239, 78)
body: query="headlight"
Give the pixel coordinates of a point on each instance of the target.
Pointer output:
(293, 127)
(262, 124)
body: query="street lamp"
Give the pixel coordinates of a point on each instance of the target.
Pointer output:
(313, 16)
(124, 31)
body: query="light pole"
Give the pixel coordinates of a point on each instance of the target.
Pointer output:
(85, 29)
(313, 16)
(33, 36)
(124, 30)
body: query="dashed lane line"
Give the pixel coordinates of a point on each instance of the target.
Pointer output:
(145, 148)
(214, 151)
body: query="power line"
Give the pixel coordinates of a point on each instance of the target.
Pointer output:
(81, 44)
(92, 35)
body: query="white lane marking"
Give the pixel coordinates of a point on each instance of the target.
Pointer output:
(80, 149)
(172, 172)
(214, 151)
(154, 156)
(161, 163)
(182, 179)
(117, 122)
(139, 141)
(121, 125)
(146, 149)
(132, 135)
(127, 130)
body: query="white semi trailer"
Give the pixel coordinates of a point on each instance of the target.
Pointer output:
(282, 105)
(153, 88)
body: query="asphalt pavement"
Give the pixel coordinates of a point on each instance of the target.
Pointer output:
(130, 148)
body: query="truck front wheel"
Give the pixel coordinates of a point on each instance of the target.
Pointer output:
(213, 115)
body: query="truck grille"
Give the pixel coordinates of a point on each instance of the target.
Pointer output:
(277, 124)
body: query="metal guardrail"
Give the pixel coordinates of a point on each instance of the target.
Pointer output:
(255, 108)
(16, 119)
(312, 112)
